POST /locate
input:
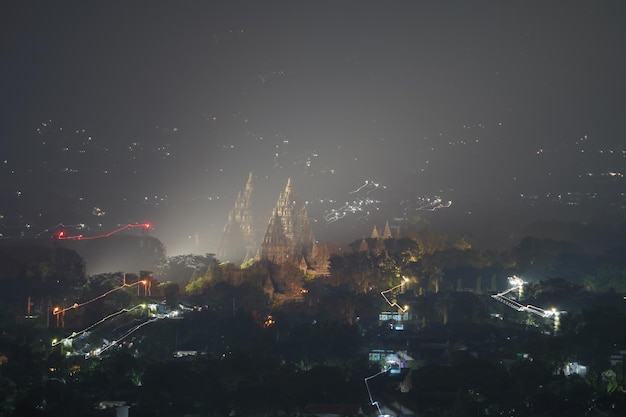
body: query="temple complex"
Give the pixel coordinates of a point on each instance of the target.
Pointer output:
(289, 237)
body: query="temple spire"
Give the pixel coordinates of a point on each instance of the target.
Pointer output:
(238, 240)
(289, 236)
(249, 183)
(387, 231)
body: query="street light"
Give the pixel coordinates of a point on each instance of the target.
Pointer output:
(57, 311)
(146, 287)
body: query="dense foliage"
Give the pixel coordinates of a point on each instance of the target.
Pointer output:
(245, 348)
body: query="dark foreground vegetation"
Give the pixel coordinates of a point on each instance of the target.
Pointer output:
(268, 340)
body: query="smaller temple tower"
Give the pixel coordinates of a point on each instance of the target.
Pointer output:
(387, 231)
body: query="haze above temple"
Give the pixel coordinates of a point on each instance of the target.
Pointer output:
(460, 115)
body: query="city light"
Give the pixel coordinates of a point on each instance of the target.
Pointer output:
(395, 304)
(517, 284)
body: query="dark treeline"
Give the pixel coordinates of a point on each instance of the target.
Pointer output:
(265, 339)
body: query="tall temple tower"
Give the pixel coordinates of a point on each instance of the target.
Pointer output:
(238, 241)
(289, 237)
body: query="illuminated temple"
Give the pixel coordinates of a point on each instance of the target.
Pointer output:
(238, 242)
(289, 237)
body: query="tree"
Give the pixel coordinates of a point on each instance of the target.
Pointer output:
(592, 334)
(429, 241)
(185, 268)
(544, 257)
(606, 277)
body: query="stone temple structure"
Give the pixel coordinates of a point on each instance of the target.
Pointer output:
(238, 242)
(289, 237)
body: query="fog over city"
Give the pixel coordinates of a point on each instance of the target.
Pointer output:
(312, 208)
(460, 114)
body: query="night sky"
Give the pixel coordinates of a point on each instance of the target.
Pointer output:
(122, 112)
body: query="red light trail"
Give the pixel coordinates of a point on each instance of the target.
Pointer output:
(61, 234)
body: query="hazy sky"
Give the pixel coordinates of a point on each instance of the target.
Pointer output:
(156, 111)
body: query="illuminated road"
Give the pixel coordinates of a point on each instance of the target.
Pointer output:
(90, 328)
(58, 311)
(517, 286)
(117, 334)
(395, 304)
